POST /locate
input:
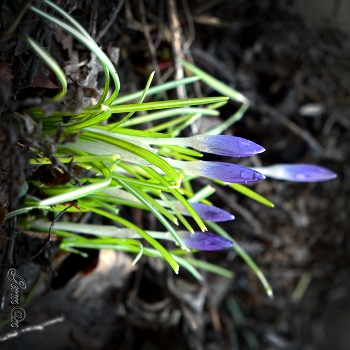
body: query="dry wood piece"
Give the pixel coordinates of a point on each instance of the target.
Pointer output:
(150, 44)
(177, 46)
(103, 31)
(35, 327)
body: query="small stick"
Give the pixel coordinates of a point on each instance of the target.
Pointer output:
(191, 29)
(48, 238)
(177, 48)
(35, 327)
(111, 20)
(160, 32)
(305, 135)
(150, 44)
(93, 19)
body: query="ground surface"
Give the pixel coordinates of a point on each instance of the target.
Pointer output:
(269, 53)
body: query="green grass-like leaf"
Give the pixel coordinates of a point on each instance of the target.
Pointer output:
(224, 89)
(76, 30)
(108, 66)
(247, 259)
(140, 101)
(175, 192)
(155, 90)
(141, 152)
(166, 255)
(143, 198)
(214, 83)
(52, 64)
(166, 104)
(77, 193)
(204, 265)
(251, 194)
(152, 117)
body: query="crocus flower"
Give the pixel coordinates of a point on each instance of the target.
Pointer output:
(297, 172)
(226, 172)
(206, 212)
(206, 241)
(222, 145)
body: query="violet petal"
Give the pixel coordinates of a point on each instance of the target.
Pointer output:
(226, 172)
(211, 213)
(298, 172)
(225, 145)
(206, 241)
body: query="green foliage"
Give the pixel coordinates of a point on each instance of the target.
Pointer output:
(121, 168)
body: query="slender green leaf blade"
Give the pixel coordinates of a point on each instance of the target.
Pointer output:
(251, 194)
(166, 255)
(166, 104)
(77, 193)
(216, 84)
(155, 90)
(204, 265)
(52, 64)
(140, 101)
(248, 260)
(136, 192)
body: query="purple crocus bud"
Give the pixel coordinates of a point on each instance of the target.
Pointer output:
(211, 213)
(206, 241)
(226, 172)
(298, 172)
(206, 212)
(224, 145)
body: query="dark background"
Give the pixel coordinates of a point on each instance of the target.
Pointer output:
(282, 55)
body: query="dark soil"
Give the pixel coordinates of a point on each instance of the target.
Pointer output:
(271, 54)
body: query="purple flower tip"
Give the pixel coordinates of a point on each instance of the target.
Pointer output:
(298, 172)
(225, 145)
(206, 241)
(211, 213)
(227, 172)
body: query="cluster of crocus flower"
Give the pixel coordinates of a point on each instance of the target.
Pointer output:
(222, 145)
(232, 173)
(233, 146)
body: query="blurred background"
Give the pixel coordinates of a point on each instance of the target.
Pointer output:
(292, 60)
